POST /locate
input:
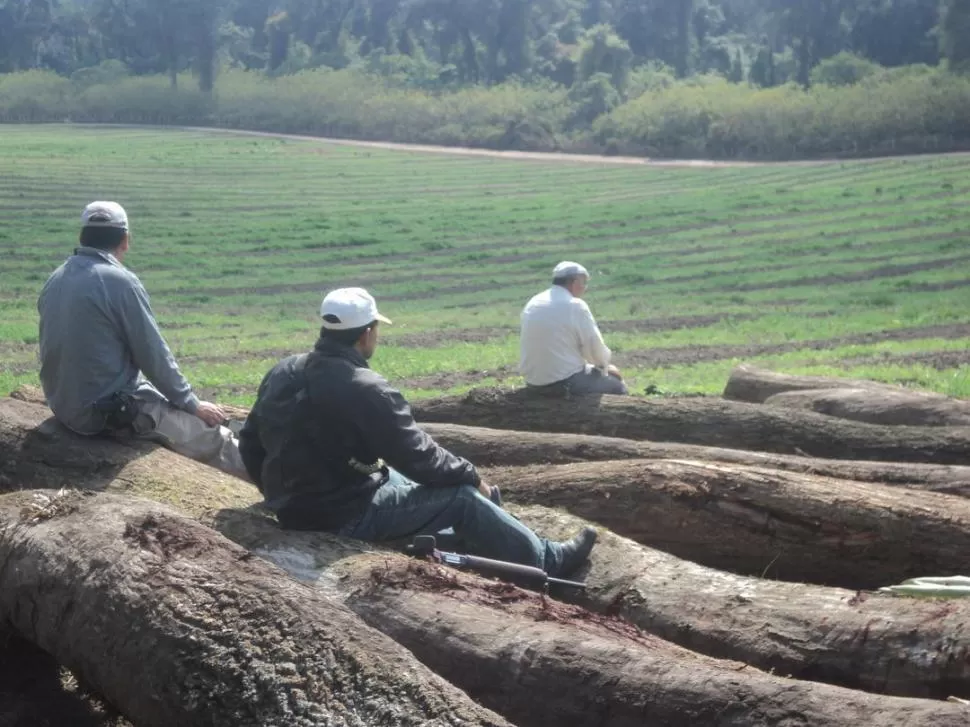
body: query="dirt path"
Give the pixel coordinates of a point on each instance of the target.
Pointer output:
(542, 156)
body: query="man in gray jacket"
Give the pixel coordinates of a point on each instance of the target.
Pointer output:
(105, 367)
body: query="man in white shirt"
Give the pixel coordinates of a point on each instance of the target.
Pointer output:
(561, 344)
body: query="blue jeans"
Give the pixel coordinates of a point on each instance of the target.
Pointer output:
(401, 509)
(594, 381)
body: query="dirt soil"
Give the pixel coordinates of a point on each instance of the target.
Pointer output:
(687, 355)
(659, 357)
(557, 157)
(939, 360)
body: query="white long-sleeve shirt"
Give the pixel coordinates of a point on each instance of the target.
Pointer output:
(559, 337)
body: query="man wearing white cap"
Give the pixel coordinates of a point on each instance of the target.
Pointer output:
(561, 345)
(333, 447)
(105, 367)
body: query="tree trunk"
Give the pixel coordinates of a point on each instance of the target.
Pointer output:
(803, 630)
(581, 671)
(871, 641)
(751, 384)
(501, 447)
(877, 407)
(758, 521)
(178, 626)
(229, 640)
(704, 421)
(36, 451)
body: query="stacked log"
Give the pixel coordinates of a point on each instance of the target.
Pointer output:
(814, 632)
(853, 399)
(755, 385)
(866, 640)
(704, 421)
(760, 521)
(892, 408)
(175, 625)
(221, 638)
(504, 448)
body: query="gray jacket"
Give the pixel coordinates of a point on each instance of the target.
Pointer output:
(98, 337)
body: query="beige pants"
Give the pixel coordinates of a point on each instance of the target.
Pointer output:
(189, 436)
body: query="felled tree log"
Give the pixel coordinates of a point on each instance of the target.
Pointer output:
(755, 521)
(712, 422)
(894, 408)
(226, 639)
(177, 626)
(502, 447)
(499, 642)
(37, 452)
(803, 630)
(858, 639)
(756, 385)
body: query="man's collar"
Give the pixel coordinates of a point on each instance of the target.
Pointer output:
(560, 288)
(95, 252)
(329, 347)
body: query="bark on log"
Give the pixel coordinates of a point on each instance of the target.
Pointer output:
(35, 450)
(501, 447)
(755, 385)
(712, 422)
(893, 408)
(803, 630)
(758, 521)
(505, 448)
(499, 642)
(178, 626)
(858, 639)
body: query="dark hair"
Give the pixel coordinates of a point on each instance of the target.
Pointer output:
(102, 238)
(346, 336)
(566, 280)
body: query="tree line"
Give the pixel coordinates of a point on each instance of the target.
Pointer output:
(449, 43)
(757, 79)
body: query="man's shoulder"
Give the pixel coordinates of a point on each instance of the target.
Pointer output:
(542, 299)
(369, 378)
(118, 277)
(289, 364)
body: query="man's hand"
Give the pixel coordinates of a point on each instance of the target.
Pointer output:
(613, 371)
(485, 489)
(210, 413)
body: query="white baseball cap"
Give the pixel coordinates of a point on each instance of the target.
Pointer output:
(349, 308)
(105, 214)
(567, 269)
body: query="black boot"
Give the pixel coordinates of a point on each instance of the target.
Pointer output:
(575, 553)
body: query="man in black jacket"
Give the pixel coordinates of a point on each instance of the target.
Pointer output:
(333, 447)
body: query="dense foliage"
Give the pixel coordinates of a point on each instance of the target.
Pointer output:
(726, 78)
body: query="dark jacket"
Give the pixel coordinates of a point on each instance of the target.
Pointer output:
(320, 426)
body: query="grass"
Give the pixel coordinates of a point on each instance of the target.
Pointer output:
(832, 268)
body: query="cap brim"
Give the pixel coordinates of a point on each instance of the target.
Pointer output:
(385, 319)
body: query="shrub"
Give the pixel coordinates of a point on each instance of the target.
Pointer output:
(34, 96)
(843, 69)
(903, 110)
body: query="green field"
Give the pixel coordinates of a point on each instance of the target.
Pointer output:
(857, 268)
